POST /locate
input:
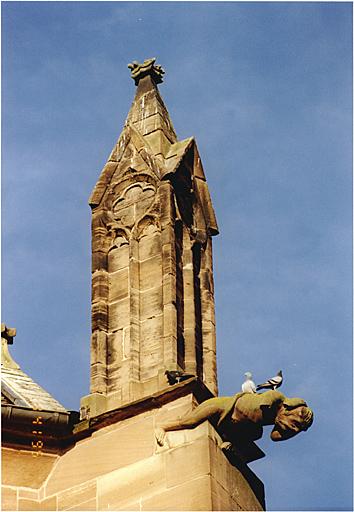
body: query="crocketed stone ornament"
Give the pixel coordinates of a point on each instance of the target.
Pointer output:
(148, 67)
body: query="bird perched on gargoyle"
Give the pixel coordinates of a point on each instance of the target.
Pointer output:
(248, 386)
(175, 376)
(273, 383)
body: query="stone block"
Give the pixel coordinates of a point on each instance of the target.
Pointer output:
(118, 285)
(28, 493)
(192, 495)
(188, 282)
(209, 330)
(144, 389)
(49, 504)
(99, 260)
(205, 280)
(157, 140)
(22, 469)
(151, 331)
(99, 315)
(151, 123)
(151, 303)
(134, 268)
(118, 258)
(98, 378)
(232, 480)
(114, 399)
(208, 308)
(181, 437)
(169, 320)
(169, 288)
(168, 259)
(98, 239)
(8, 498)
(135, 505)
(87, 505)
(99, 285)
(220, 498)
(119, 314)
(189, 313)
(149, 365)
(167, 235)
(149, 246)
(27, 504)
(173, 410)
(95, 403)
(117, 448)
(197, 455)
(198, 167)
(134, 305)
(98, 352)
(218, 463)
(115, 350)
(138, 480)
(170, 350)
(77, 495)
(150, 273)
(166, 200)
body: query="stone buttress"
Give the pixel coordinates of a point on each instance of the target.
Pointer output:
(152, 275)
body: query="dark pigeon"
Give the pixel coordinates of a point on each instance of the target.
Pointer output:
(273, 383)
(175, 377)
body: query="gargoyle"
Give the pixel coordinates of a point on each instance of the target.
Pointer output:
(241, 418)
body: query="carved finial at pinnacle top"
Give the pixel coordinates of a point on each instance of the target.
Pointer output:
(7, 338)
(148, 67)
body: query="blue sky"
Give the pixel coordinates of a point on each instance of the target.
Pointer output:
(266, 89)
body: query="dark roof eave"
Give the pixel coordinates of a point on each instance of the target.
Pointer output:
(21, 424)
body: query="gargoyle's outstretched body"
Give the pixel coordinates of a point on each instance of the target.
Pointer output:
(244, 415)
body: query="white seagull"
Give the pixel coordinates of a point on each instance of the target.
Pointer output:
(248, 386)
(273, 383)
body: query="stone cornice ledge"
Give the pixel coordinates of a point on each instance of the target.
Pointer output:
(154, 401)
(61, 431)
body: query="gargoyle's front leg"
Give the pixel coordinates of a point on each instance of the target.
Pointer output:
(201, 413)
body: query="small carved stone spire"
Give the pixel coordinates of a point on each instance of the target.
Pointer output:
(7, 338)
(148, 67)
(152, 276)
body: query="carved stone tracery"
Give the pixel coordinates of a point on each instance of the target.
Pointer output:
(134, 203)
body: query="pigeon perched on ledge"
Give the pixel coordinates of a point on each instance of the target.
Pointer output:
(273, 383)
(248, 386)
(175, 377)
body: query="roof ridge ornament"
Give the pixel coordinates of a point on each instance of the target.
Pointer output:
(7, 338)
(148, 67)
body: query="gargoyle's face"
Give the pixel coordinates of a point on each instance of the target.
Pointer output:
(290, 422)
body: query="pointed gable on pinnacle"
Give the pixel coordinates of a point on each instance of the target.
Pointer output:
(149, 140)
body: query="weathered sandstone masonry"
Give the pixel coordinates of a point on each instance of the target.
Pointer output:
(152, 312)
(114, 463)
(152, 277)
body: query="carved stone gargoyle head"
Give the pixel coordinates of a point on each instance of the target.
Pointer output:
(293, 416)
